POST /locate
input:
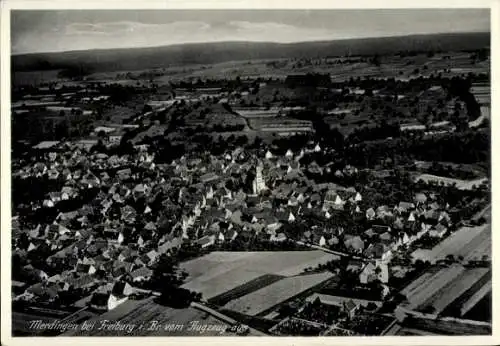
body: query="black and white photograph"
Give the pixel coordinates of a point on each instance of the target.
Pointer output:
(249, 172)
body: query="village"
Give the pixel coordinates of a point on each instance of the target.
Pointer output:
(206, 198)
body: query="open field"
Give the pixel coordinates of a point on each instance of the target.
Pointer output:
(279, 68)
(476, 169)
(118, 114)
(329, 299)
(441, 299)
(446, 289)
(34, 77)
(265, 60)
(461, 184)
(472, 243)
(471, 299)
(240, 291)
(264, 299)
(482, 310)
(446, 327)
(424, 288)
(219, 272)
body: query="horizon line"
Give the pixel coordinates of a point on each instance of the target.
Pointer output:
(250, 41)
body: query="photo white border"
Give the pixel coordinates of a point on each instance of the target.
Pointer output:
(5, 198)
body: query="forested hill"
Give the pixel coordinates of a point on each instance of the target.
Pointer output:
(210, 53)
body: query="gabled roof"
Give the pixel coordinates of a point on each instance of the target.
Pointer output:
(375, 250)
(143, 271)
(100, 299)
(81, 281)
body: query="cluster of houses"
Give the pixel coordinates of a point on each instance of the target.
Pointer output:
(140, 210)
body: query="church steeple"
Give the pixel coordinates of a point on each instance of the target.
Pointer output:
(259, 183)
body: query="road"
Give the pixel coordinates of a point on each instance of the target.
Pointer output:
(317, 247)
(486, 213)
(224, 318)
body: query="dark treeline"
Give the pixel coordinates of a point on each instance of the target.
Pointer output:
(466, 147)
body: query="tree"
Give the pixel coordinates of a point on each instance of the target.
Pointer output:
(177, 297)
(23, 241)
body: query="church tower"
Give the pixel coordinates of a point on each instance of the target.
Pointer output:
(259, 183)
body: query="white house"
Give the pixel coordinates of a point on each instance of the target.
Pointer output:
(358, 197)
(221, 237)
(322, 241)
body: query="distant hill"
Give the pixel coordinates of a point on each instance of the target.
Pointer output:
(210, 53)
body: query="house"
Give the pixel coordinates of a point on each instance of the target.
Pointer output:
(85, 268)
(141, 274)
(116, 136)
(378, 251)
(206, 241)
(170, 245)
(47, 292)
(380, 229)
(358, 197)
(322, 241)
(370, 233)
(350, 307)
(230, 234)
(124, 174)
(332, 200)
(383, 211)
(81, 282)
(151, 257)
(411, 217)
(420, 198)
(354, 265)
(404, 207)
(438, 231)
(370, 214)
(53, 174)
(102, 301)
(354, 243)
(279, 237)
(47, 203)
(34, 272)
(221, 237)
(373, 271)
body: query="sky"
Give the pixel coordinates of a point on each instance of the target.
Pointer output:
(56, 31)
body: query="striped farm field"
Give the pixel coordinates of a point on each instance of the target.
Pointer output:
(471, 243)
(443, 298)
(221, 271)
(264, 299)
(423, 289)
(244, 289)
(444, 289)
